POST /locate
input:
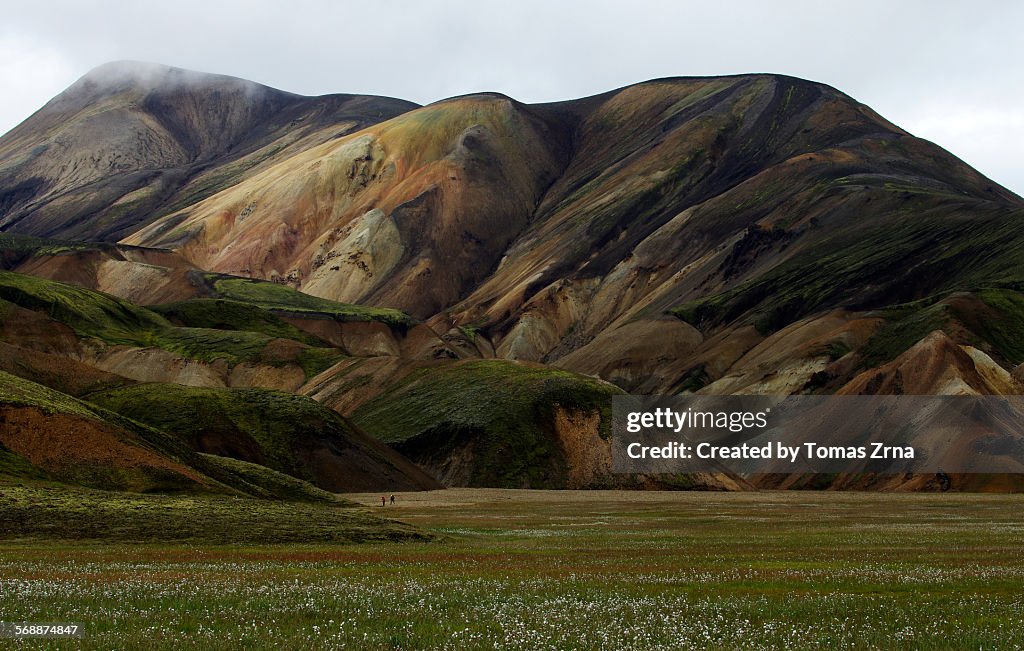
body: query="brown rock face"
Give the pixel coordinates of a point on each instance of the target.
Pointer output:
(587, 455)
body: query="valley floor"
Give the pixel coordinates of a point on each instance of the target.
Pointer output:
(563, 570)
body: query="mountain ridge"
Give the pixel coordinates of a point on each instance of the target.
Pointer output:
(751, 233)
(135, 137)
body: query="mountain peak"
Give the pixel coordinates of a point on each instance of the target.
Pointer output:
(129, 69)
(125, 75)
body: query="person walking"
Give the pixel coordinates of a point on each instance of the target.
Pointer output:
(392, 499)
(383, 500)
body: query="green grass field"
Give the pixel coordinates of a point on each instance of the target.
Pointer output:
(562, 570)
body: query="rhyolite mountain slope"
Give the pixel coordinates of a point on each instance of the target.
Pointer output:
(131, 140)
(743, 234)
(757, 198)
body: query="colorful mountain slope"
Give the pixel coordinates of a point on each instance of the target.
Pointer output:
(130, 140)
(744, 234)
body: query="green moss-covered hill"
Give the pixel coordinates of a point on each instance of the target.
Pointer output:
(257, 441)
(226, 331)
(49, 436)
(496, 423)
(288, 433)
(72, 470)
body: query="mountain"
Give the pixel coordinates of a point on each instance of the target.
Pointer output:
(130, 140)
(468, 280)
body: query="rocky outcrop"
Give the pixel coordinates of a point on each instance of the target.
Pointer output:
(937, 366)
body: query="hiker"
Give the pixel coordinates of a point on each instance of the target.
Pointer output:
(383, 500)
(392, 499)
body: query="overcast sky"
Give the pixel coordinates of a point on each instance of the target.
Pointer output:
(952, 72)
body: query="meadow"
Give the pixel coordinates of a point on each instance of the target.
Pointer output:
(538, 570)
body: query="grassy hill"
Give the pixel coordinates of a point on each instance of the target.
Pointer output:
(252, 442)
(489, 422)
(289, 433)
(275, 297)
(70, 440)
(242, 334)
